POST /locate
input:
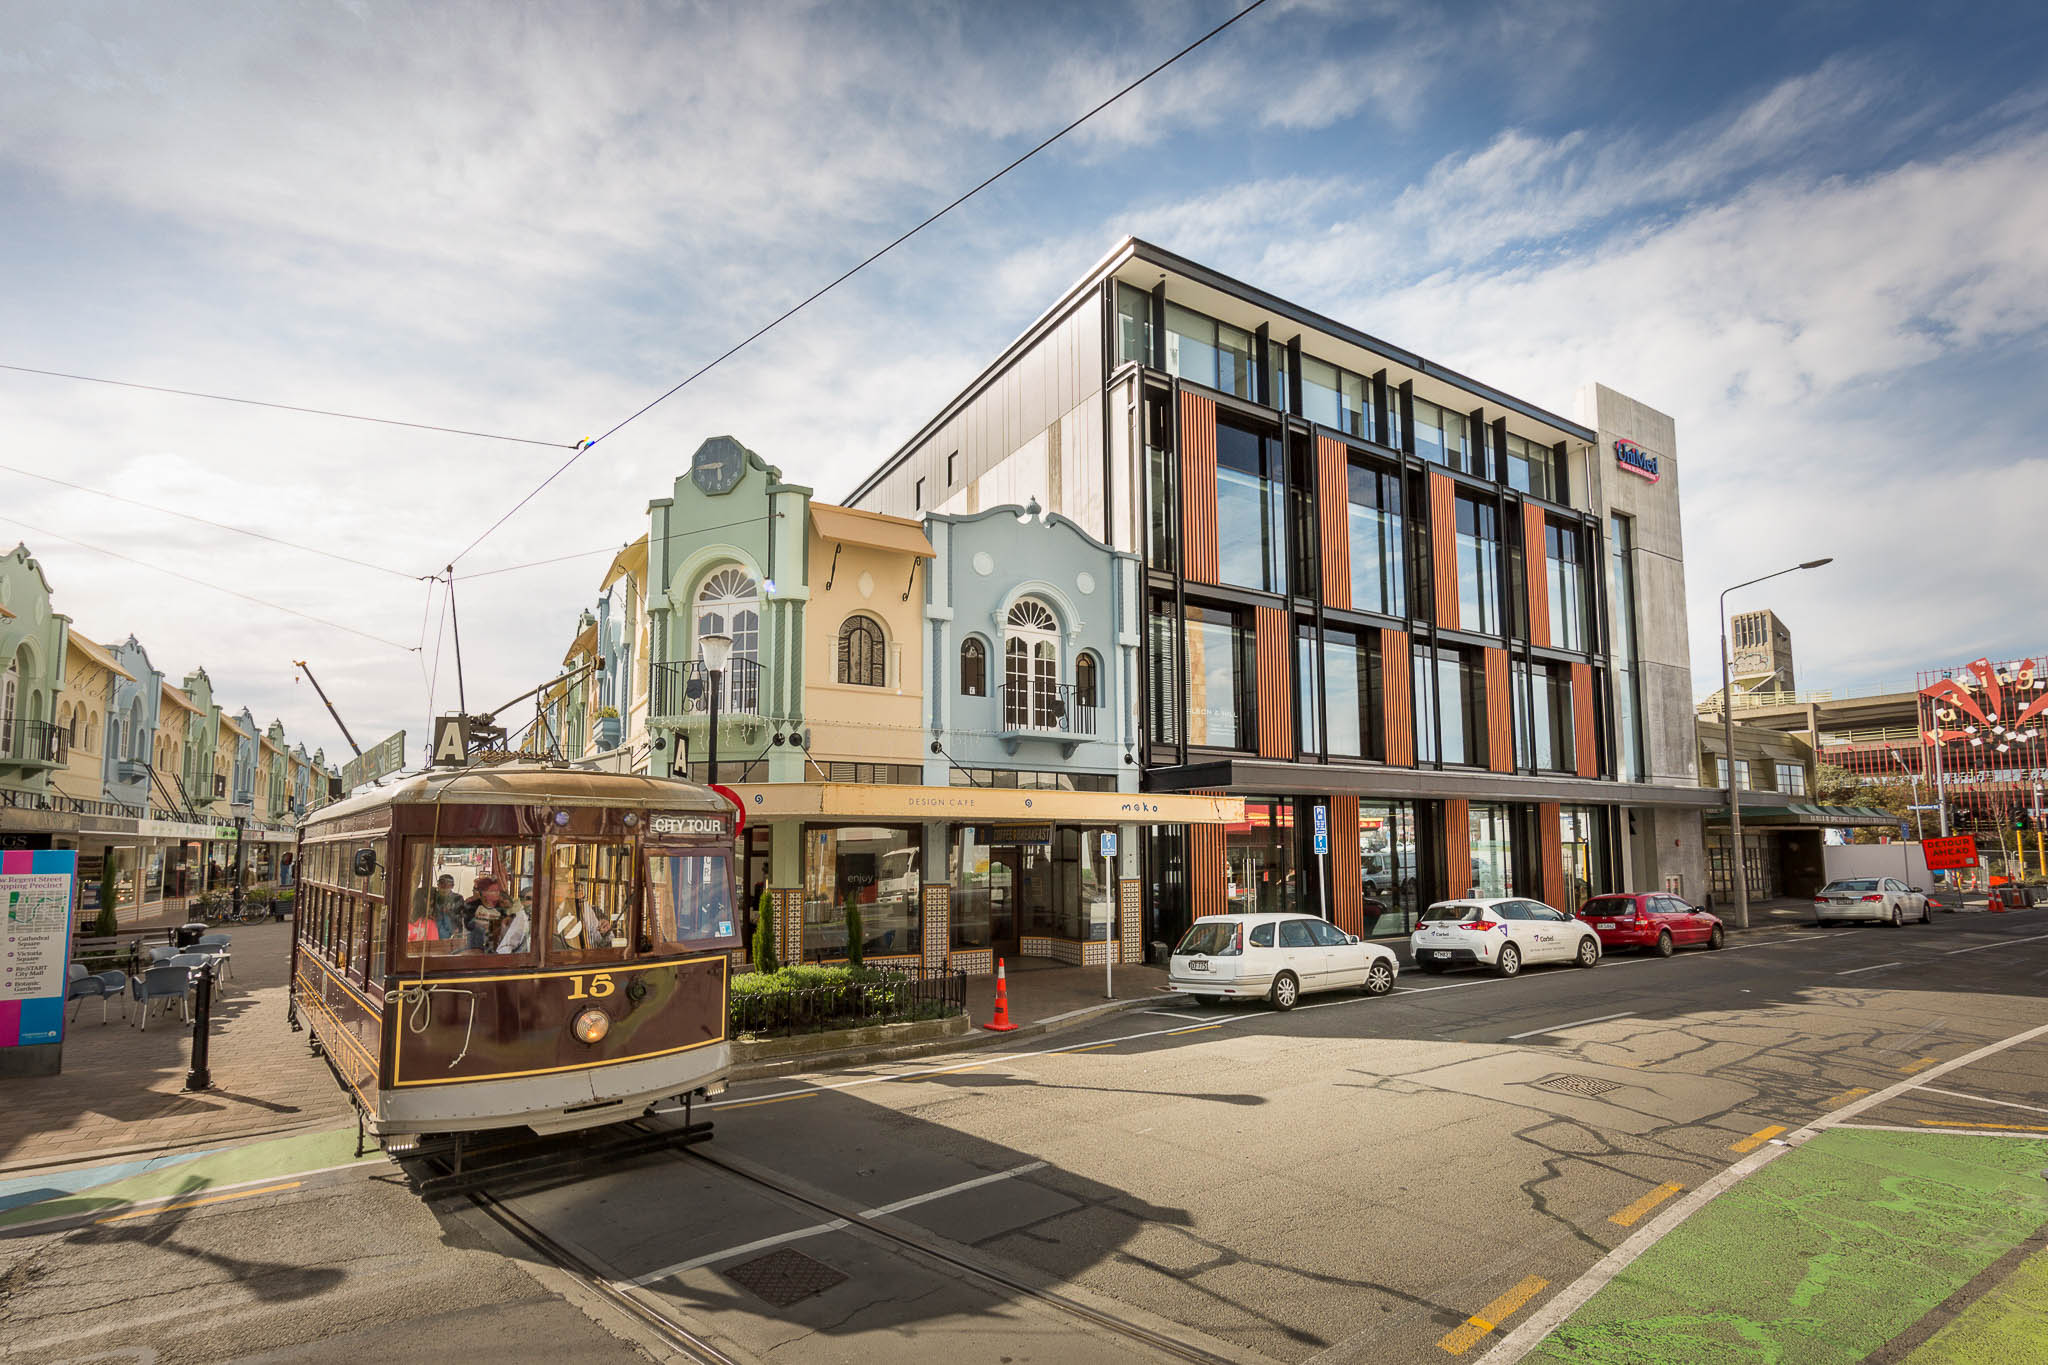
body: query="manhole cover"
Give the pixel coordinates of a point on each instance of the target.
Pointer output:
(1577, 1085)
(783, 1277)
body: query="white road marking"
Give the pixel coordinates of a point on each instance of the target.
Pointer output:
(1559, 1028)
(830, 1225)
(1950, 1132)
(1174, 1014)
(1876, 968)
(1984, 1099)
(2004, 942)
(1569, 1300)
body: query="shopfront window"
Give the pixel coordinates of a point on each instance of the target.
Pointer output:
(1582, 840)
(976, 881)
(1081, 878)
(1251, 497)
(874, 867)
(1386, 865)
(1376, 551)
(1493, 850)
(1259, 870)
(689, 898)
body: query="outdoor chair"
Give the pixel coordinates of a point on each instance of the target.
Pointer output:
(212, 956)
(213, 941)
(161, 954)
(160, 983)
(105, 985)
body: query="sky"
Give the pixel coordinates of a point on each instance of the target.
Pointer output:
(1812, 232)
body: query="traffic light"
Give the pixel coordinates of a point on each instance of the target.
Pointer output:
(2021, 822)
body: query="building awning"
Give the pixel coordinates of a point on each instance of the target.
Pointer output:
(227, 723)
(877, 801)
(871, 528)
(181, 699)
(98, 655)
(584, 643)
(631, 560)
(1805, 815)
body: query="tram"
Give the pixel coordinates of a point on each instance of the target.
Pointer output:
(490, 947)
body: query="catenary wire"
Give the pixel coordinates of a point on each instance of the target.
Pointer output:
(668, 539)
(702, 370)
(203, 521)
(290, 407)
(173, 573)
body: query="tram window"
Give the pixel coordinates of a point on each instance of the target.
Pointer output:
(373, 961)
(468, 905)
(689, 898)
(349, 909)
(590, 901)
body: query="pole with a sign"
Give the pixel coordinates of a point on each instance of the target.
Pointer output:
(36, 891)
(1109, 939)
(1323, 856)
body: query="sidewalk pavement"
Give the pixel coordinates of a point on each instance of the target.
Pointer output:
(1044, 994)
(122, 1089)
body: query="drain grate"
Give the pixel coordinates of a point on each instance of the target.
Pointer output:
(1567, 1084)
(783, 1277)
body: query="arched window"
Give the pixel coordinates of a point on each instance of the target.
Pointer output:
(1031, 654)
(973, 667)
(1084, 682)
(92, 731)
(729, 603)
(860, 652)
(10, 683)
(71, 727)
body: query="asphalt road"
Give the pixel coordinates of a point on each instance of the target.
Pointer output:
(1362, 1179)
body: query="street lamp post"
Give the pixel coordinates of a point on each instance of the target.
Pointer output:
(1740, 876)
(716, 652)
(1919, 824)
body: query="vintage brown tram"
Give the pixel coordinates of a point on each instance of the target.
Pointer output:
(489, 947)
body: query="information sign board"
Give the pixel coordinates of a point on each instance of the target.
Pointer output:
(381, 759)
(35, 944)
(1950, 853)
(1109, 843)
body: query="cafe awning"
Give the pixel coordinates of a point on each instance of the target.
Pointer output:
(877, 801)
(631, 560)
(871, 528)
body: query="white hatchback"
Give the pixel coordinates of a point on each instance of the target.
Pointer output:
(1280, 957)
(1504, 933)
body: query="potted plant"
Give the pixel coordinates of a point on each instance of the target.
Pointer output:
(609, 728)
(856, 939)
(764, 936)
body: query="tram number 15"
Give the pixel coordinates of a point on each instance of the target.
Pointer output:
(599, 986)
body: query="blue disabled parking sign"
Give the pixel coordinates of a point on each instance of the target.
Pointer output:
(1109, 843)
(1322, 831)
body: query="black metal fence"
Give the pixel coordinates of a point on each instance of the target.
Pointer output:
(877, 997)
(684, 689)
(1047, 706)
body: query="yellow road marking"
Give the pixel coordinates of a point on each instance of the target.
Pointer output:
(1093, 1047)
(772, 1099)
(195, 1203)
(1838, 1101)
(1463, 1337)
(2003, 1127)
(1628, 1216)
(1757, 1139)
(1199, 1028)
(1920, 1065)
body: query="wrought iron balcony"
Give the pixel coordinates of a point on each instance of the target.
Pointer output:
(679, 690)
(35, 744)
(1046, 709)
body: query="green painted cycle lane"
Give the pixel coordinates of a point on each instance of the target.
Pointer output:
(276, 1159)
(1821, 1257)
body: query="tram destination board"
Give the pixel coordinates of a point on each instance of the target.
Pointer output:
(381, 759)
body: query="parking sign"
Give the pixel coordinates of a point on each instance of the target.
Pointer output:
(1109, 843)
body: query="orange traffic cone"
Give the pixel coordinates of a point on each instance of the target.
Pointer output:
(1001, 1023)
(1997, 904)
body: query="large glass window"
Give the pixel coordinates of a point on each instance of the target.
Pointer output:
(1450, 706)
(873, 867)
(1582, 839)
(1219, 650)
(1163, 693)
(1251, 497)
(1351, 684)
(1544, 738)
(689, 898)
(1209, 352)
(1792, 779)
(1562, 546)
(1377, 582)
(1532, 469)
(1335, 398)
(1259, 860)
(1308, 691)
(1493, 849)
(973, 667)
(1031, 667)
(728, 603)
(1441, 436)
(1478, 566)
(1627, 697)
(1133, 327)
(1386, 865)
(470, 900)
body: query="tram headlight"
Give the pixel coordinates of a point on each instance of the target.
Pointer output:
(591, 1026)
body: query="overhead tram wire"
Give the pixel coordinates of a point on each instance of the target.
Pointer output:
(668, 539)
(215, 587)
(292, 407)
(582, 446)
(217, 525)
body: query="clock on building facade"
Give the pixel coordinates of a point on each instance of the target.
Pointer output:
(718, 464)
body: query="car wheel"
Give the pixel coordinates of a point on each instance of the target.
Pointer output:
(1286, 990)
(1665, 947)
(1716, 939)
(1510, 961)
(1379, 979)
(1898, 917)
(1925, 918)
(1589, 951)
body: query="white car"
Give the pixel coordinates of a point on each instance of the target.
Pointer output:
(1505, 933)
(1280, 957)
(1883, 900)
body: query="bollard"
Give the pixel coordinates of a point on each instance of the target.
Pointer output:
(200, 1077)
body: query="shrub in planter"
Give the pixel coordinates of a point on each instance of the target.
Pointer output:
(764, 936)
(856, 945)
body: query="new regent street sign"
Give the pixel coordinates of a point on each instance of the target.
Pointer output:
(1636, 460)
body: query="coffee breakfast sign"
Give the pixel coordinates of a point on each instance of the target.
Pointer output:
(1636, 460)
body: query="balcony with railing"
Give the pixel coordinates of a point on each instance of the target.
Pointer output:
(679, 691)
(131, 770)
(1045, 711)
(34, 745)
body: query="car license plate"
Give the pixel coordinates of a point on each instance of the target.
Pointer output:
(1439, 955)
(1198, 965)
(1604, 924)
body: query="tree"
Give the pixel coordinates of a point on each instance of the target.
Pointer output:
(109, 922)
(1833, 786)
(856, 936)
(764, 935)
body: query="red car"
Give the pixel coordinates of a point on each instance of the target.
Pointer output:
(1656, 921)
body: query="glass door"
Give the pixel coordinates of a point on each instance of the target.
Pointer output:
(1002, 899)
